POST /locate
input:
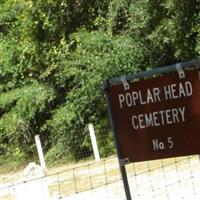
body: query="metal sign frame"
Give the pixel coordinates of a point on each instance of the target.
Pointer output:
(179, 67)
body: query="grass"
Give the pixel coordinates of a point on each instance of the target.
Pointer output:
(12, 165)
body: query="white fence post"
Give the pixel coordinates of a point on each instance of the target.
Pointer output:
(94, 142)
(40, 152)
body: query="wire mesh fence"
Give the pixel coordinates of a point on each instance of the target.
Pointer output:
(104, 140)
(175, 178)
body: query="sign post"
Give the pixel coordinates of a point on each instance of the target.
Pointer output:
(156, 117)
(121, 159)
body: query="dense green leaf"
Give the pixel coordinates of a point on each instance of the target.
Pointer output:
(55, 56)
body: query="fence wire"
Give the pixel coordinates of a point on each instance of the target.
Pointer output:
(174, 178)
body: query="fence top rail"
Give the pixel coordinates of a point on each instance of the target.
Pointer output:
(195, 63)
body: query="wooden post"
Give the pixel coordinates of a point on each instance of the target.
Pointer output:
(94, 142)
(40, 152)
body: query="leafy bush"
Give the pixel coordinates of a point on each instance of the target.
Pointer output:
(55, 56)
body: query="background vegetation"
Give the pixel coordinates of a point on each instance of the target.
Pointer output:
(55, 55)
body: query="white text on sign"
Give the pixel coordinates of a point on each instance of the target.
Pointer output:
(154, 95)
(162, 145)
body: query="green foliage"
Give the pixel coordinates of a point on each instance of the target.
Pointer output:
(55, 56)
(97, 57)
(19, 111)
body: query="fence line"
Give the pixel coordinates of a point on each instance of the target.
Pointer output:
(175, 178)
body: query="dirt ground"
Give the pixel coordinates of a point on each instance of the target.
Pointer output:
(175, 178)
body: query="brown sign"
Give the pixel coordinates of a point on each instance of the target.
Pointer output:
(158, 118)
